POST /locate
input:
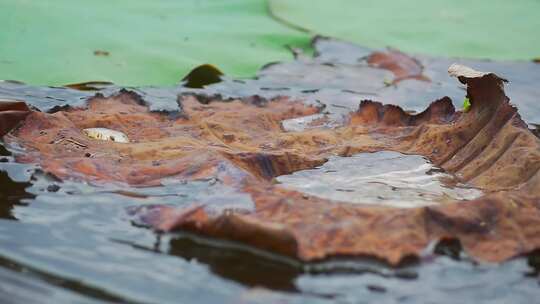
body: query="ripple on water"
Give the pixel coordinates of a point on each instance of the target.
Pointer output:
(382, 178)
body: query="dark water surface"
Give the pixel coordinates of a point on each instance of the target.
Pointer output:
(70, 242)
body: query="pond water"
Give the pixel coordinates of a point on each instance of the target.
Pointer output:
(380, 178)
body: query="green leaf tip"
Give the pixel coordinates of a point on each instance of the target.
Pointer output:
(466, 105)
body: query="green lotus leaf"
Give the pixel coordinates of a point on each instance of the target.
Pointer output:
(137, 42)
(494, 29)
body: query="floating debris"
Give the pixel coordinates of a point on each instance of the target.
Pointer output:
(106, 134)
(202, 75)
(101, 53)
(458, 70)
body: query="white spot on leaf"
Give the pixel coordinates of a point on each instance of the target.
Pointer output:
(106, 134)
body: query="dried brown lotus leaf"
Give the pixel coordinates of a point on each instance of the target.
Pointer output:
(245, 146)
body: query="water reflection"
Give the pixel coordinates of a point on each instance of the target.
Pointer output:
(384, 178)
(27, 285)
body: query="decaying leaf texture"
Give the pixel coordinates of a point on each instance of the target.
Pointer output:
(243, 145)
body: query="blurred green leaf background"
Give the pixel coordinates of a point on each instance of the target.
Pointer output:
(158, 42)
(148, 42)
(490, 29)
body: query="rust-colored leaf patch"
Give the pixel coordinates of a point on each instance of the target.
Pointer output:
(243, 145)
(400, 64)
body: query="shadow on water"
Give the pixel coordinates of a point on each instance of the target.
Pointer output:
(239, 265)
(533, 260)
(372, 277)
(11, 192)
(451, 248)
(255, 268)
(4, 152)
